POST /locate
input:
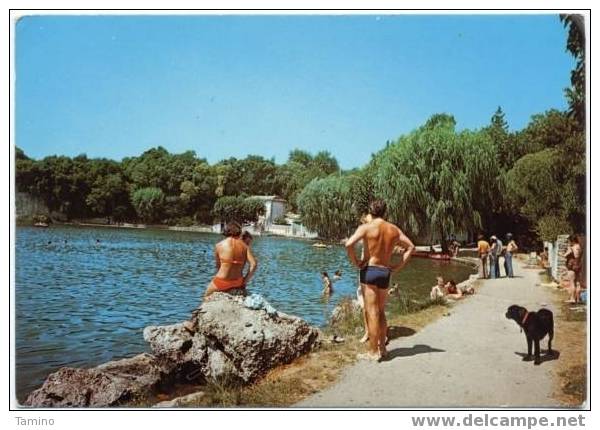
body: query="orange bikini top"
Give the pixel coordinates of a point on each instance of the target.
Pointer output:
(240, 262)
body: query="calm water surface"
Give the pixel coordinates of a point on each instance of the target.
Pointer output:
(84, 295)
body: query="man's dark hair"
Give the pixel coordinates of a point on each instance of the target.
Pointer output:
(232, 229)
(247, 235)
(377, 208)
(573, 238)
(325, 274)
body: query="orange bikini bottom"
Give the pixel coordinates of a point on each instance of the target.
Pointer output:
(228, 284)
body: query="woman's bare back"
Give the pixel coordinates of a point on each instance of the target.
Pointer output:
(231, 255)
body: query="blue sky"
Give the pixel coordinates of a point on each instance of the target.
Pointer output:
(115, 86)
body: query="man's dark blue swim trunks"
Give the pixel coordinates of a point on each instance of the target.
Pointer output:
(375, 275)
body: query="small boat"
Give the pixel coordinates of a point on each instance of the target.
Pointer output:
(40, 224)
(431, 255)
(320, 245)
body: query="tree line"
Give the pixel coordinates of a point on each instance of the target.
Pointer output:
(436, 179)
(161, 187)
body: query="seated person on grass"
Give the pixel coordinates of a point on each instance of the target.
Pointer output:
(438, 289)
(457, 292)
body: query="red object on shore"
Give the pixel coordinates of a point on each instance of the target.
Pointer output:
(432, 255)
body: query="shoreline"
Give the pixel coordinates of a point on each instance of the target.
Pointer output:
(461, 260)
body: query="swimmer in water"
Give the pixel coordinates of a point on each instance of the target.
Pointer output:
(328, 289)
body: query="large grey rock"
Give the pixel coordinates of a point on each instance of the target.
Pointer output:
(236, 339)
(109, 384)
(232, 341)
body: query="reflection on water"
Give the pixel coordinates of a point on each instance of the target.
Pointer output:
(84, 295)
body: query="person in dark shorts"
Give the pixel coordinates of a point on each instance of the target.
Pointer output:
(374, 275)
(379, 239)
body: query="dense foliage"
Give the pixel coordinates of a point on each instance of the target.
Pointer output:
(238, 208)
(435, 179)
(327, 206)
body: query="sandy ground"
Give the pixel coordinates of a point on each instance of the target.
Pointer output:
(470, 358)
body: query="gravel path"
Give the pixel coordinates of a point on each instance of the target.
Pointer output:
(468, 358)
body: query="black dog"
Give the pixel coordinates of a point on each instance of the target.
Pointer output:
(536, 326)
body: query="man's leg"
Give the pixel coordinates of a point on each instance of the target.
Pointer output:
(373, 317)
(382, 295)
(483, 261)
(364, 312)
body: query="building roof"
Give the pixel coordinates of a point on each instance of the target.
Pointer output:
(269, 198)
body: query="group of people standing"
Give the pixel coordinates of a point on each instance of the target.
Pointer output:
(490, 253)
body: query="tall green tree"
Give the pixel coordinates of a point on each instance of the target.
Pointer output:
(149, 203)
(238, 208)
(300, 169)
(435, 178)
(576, 46)
(328, 206)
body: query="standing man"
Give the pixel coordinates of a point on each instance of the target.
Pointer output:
(499, 252)
(483, 249)
(493, 259)
(511, 247)
(379, 240)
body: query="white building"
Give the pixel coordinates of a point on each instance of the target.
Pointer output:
(275, 207)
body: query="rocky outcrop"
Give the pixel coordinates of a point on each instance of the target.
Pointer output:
(111, 384)
(234, 339)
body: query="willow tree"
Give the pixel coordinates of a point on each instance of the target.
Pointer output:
(328, 206)
(238, 208)
(149, 203)
(435, 179)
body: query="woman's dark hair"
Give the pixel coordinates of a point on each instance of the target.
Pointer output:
(232, 229)
(247, 235)
(377, 208)
(338, 272)
(325, 274)
(573, 238)
(451, 282)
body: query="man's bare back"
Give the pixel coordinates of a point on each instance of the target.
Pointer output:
(380, 238)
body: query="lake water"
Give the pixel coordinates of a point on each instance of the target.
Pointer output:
(84, 295)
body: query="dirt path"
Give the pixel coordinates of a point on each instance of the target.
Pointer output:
(469, 358)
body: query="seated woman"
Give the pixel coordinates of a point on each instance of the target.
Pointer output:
(231, 256)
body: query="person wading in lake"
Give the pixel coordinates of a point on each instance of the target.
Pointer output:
(327, 284)
(379, 239)
(231, 256)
